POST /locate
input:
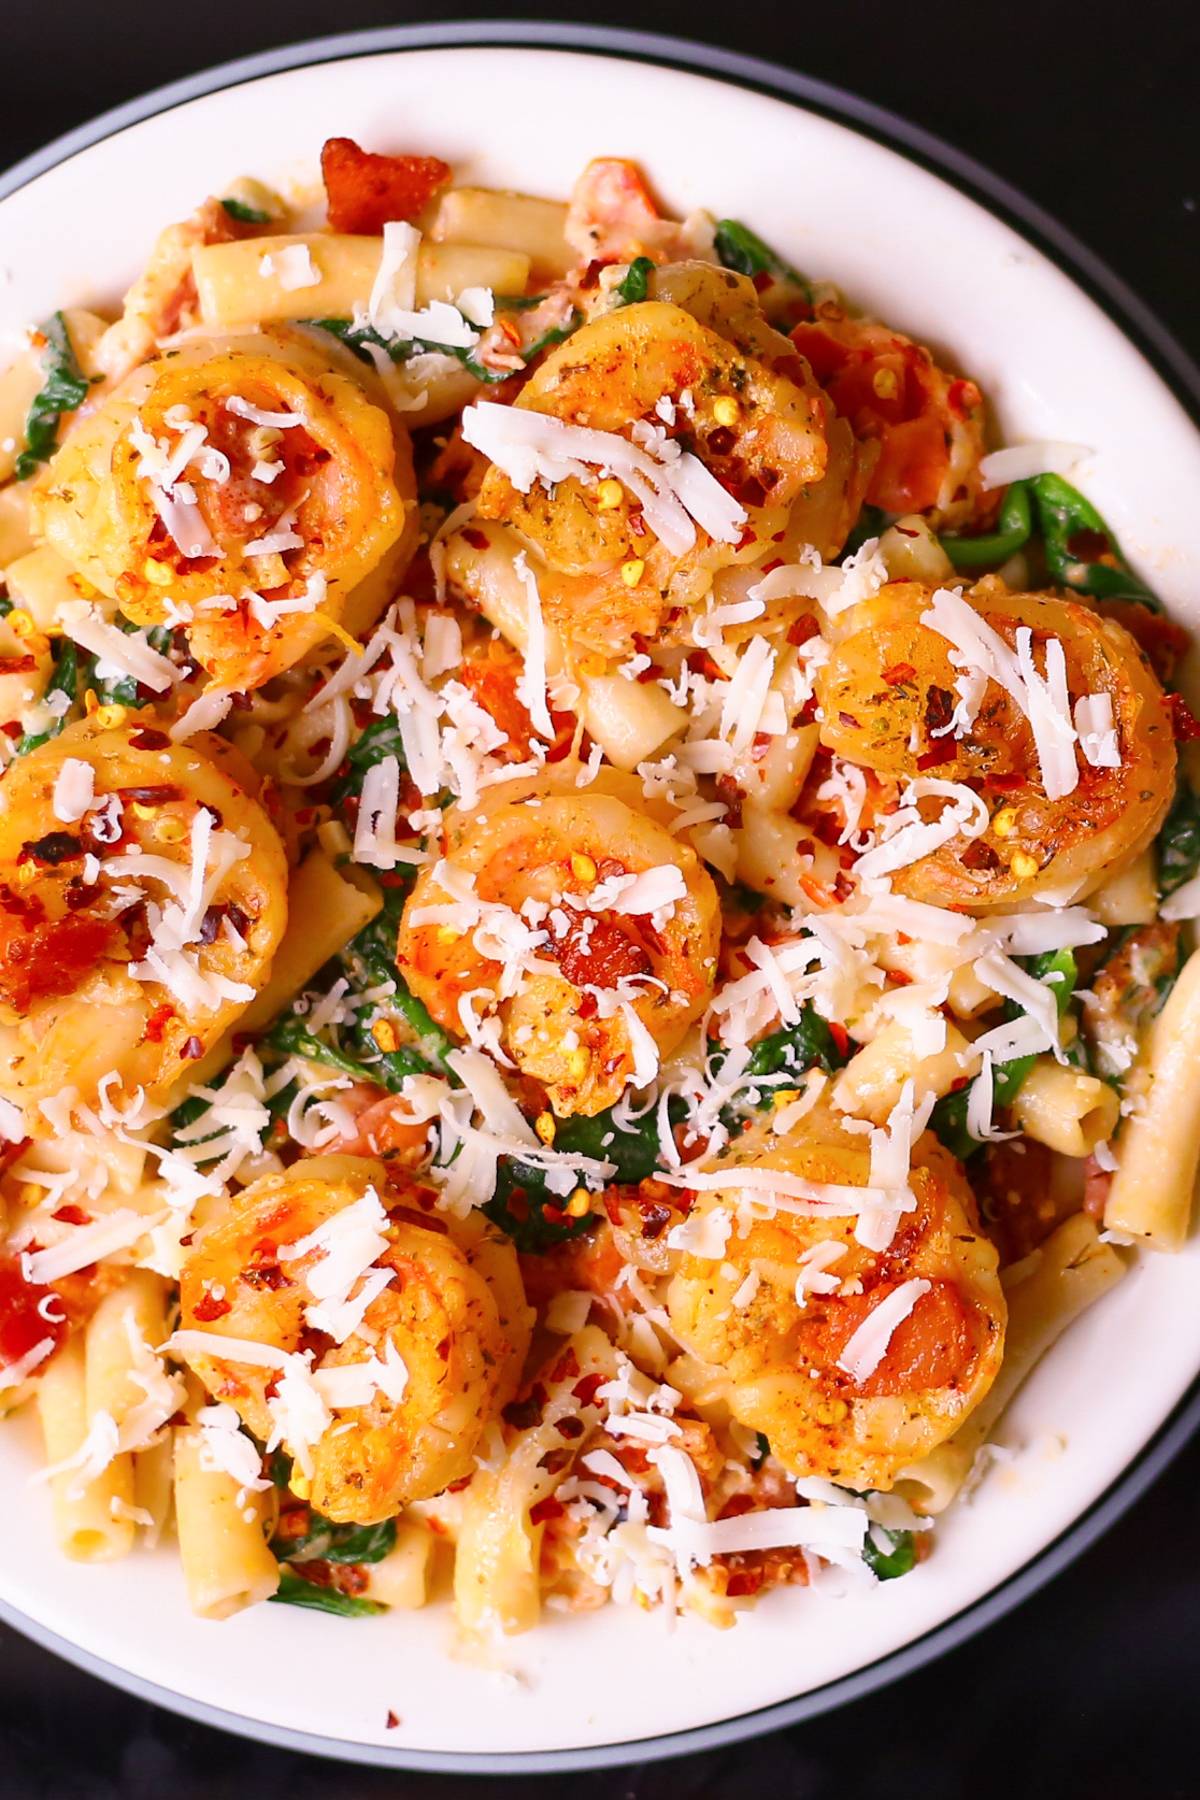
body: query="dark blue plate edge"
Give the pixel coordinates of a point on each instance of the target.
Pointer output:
(1176, 367)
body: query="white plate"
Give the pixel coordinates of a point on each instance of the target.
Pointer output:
(907, 245)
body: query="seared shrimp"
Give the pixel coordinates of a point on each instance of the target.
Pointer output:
(544, 864)
(453, 1313)
(607, 577)
(114, 957)
(890, 685)
(613, 217)
(825, 511)
(782, 1365)
(928, 424)
(295, 490)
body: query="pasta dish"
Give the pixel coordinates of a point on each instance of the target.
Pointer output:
(596, 909)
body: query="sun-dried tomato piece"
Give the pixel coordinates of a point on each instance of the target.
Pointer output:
(22, 1325)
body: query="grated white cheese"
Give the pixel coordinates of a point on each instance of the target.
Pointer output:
(85, 1244)
(343, 1281)
(529, 445)
(292, 267)
(1097, 732)
(118, 653)
(74, 790)
(1021, 462)
(866, 1348)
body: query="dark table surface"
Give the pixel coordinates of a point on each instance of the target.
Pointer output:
(1088, 1689)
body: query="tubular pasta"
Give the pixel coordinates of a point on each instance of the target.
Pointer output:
(1071, 1271)
(226, 1563)
(1151, 1192)
(1066, 1109)
(83, 1510)
(234, 290)
(509, 222)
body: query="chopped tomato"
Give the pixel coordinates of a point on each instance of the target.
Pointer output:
(22, 1326)
(365, 191)
(890, 390)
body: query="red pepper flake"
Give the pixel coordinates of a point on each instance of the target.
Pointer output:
(567, 1365)
(840, 1036)
(56, 847)
(549, 1508)
(569, 1428)
(208, 1308)
(156, 1024)
(586, 1389)
(393, 1719)
(1184, 722)
(962, 398)
(73, 1215)
(192, 1049)
(148, 739)
(17, 665)
(849, 721)
(942, 750)
(900, 674)
(477, 539)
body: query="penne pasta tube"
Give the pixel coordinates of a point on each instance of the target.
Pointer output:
(1159, 1148)
(153, 1487)
(1130, 897)
(401, 1578)
(772, 854)
(325, 910)
(226, 1563)
(628, 719)
(869, 1086)
(1065, 1108)
(16, 536)
(505, 221)
(84, 1521)
(253, 282)
(1069, 1273)
(133, 1314)
(42, 582)
(913, 552)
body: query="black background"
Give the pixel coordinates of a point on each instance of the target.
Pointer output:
(1092, 1688)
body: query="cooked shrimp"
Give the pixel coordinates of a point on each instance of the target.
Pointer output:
(781, 1363)
(454, 1313)
(163, 297)
(114, 956)
(825, 511)
(529, 856)
(890, 684)
(613, 217)
(928, 424)
(262, 535)
(606, 576)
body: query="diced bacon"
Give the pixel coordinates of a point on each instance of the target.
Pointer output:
(366, 191)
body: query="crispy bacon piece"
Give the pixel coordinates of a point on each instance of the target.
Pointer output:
(51, 959)
(596, 950)
(365, 191)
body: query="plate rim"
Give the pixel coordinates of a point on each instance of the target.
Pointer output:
(1180, 372)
